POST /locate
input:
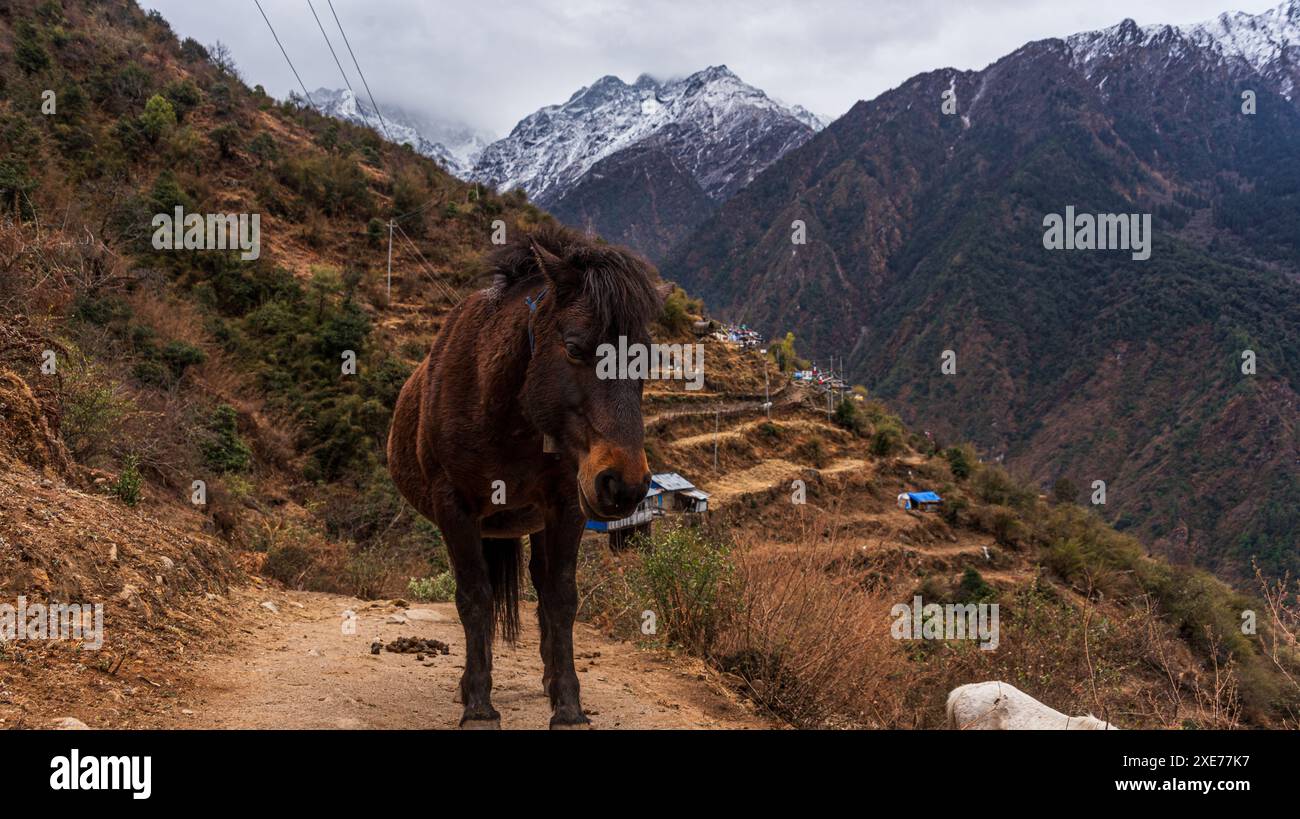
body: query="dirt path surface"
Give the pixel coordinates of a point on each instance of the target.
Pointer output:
(294, 667)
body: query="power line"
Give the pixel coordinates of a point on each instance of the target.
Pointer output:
(286, 56)
(359, 71)
(446, 291)
(346, 81)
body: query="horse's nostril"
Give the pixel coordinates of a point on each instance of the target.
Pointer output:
(607, 488)
(612, 492)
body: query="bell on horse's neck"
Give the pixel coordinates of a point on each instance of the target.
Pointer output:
(548, 445)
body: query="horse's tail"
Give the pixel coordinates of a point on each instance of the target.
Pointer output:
(504, 556)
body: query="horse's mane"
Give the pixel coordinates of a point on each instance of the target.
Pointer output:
(617, 284)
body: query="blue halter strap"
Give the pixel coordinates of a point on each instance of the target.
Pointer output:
(532, 312)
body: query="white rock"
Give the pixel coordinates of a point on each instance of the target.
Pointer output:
(69, 724)
(426, 615)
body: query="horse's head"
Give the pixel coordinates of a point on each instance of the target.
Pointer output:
(591, 295)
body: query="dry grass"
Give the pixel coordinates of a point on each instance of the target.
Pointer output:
(808, 640)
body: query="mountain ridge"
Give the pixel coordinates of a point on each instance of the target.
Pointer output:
(710, 129)
(925, 234)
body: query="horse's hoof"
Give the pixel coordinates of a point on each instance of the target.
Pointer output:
(481, 724)
(568, 725)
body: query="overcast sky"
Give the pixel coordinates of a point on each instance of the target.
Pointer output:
(490, 64)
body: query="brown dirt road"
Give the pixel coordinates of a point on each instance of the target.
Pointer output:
(296, 668)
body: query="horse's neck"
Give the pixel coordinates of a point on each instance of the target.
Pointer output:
(504, 354)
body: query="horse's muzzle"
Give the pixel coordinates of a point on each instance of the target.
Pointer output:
(614, 497)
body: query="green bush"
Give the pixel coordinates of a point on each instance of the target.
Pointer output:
(158, 118)
(961, 460)
(974, 588)
(440, 588)
(848, 416)
(223, 450)
(184, 97)
(226, 138)
(675, 316)
(128, 484)
(688, 580)
(94, 412)
(887, 440)
(181, 355)
(29, 49)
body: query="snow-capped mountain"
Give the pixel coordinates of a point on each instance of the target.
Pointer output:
(1267, 43)
(929, 234)
(454, 145)
(722, 131)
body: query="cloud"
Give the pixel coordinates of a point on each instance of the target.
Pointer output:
(490, 64)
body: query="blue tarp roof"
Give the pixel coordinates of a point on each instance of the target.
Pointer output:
(925, 497)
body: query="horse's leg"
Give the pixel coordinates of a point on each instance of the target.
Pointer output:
(474, 605)
(563, 533)
(537, 570)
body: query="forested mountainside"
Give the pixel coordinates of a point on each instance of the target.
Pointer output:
(925, 234)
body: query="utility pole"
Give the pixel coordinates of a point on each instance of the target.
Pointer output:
(717, 422)
(767, 395)
(390, 262)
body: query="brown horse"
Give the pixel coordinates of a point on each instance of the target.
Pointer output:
(505, 430)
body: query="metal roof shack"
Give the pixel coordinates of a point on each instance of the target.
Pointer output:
(919, 500)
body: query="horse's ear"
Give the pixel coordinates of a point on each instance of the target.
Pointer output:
(559, 272)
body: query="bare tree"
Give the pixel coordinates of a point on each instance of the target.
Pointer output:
(220, 56)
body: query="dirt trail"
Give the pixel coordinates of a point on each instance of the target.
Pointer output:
(296, 668)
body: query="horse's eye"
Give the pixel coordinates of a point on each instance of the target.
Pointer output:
(573, 350)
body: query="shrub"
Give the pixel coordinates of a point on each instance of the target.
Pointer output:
(675, 316)
(184, 96)
(688, 581)
(94, 412)
(226, 138)
(849, 417)
(1064, 491)
(974, 588)
(29, 51)
(127, 487)
(224, 451)
(440, 588)
(961, 460)
(158, 118)
(180, 355)
(264, 148)
(783, 353)
(887, 440)
(291, 564)
(153, 373)
(994, 485)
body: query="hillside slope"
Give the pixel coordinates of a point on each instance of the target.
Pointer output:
(1089, 621)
